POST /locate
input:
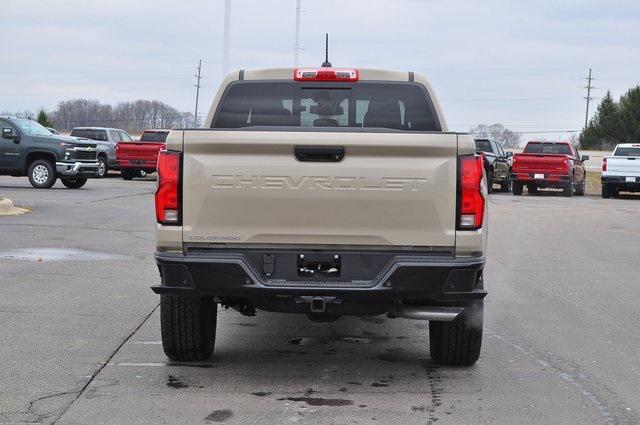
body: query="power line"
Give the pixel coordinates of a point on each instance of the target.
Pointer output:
(515, 99)
(546, 131)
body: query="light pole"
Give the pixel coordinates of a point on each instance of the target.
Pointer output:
(296, 46)
(227, 36)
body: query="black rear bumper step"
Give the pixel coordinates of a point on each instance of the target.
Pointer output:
(363, 276)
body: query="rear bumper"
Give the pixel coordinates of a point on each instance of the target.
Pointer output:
(82, 169)
(622, 182)
(548, 179)
(138, 163)
(239, 275)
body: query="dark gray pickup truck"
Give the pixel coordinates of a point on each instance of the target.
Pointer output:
(29, 149)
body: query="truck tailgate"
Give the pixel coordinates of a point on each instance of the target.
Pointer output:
(543, 162)
(139, 150)
(623, 166)
(389, 189)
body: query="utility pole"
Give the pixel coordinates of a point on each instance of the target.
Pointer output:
(296, 46)
(227, 35)
(588, 98)
(198, 78)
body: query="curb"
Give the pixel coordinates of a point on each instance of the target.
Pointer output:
(7, 208)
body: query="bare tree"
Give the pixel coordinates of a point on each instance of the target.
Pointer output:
(497, 132)
(131, 116)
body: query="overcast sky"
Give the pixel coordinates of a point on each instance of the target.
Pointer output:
(521, 64)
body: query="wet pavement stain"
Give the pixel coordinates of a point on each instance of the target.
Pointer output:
(354, 339)
(249, 325)
(59, 254)
(219, 415)
(175, 382)
(354, 383)
(435, 386)
(261, 393)
(318, 401)
(379, 384)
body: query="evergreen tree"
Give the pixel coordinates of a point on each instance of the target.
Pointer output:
(630, 115)
(43, 119)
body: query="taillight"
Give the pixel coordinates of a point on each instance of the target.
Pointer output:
(604, 164)
(471, 204)
(168, 192)
(326, 74)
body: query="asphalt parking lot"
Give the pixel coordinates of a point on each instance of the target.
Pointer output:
(81, 338)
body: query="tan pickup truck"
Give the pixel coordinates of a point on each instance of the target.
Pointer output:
(325, 192)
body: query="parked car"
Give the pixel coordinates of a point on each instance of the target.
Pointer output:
(106, 139)
(140, 158)
(621, 170)
(53, 130)
(29, 149)
(549, 165)
(496, 164)
(357, 201)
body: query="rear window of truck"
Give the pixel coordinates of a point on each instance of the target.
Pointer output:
(627, 152)
(395, 106)
(100, 135)
(548, 148)
(483, 146)
(154, 136)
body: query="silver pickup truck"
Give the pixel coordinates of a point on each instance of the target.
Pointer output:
(326, 192)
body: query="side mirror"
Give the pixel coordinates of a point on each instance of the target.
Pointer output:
(509, 154)
(585, 158)
(7, 133)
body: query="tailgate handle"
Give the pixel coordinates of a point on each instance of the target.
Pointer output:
(319, 153)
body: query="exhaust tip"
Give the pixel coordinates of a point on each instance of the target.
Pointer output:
(432, 313)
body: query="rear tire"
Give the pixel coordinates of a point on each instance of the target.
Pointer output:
(606, 191)
(490, 182)
(74, 182)
(128, 173)
(517, 188)
(188, 327)
(42, 174)
(458, 343)
(615, 192)
(568, 189)
(505, 187)
(581, 189)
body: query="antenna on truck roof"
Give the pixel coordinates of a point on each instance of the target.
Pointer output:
(326, 63)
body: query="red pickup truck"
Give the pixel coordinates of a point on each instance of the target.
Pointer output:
(549, 164)
(136, 159)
